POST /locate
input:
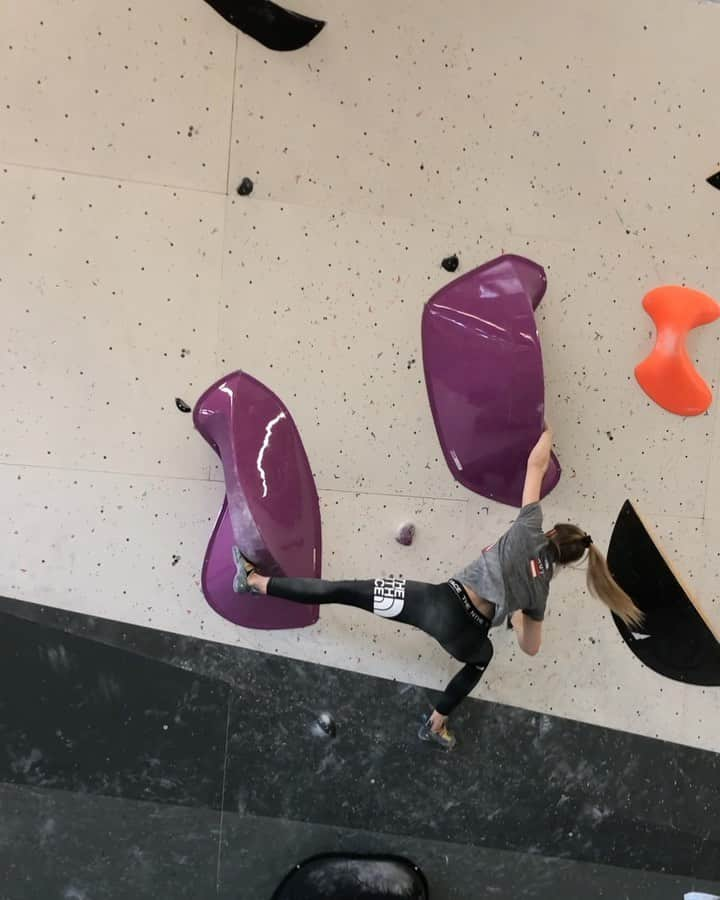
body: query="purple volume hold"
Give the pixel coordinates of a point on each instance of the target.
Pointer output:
(484, 375)
(271, 510)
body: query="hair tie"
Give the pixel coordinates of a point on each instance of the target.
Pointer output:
(587, 540)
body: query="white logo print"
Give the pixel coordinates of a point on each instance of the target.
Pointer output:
(389, 597)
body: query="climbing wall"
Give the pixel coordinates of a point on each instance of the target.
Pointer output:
(133, 274)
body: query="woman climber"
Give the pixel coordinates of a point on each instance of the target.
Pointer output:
(509, 580)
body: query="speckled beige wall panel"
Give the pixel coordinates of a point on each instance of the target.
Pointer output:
(325, 307)
(535, 119)
(109, 311)
(140, 90)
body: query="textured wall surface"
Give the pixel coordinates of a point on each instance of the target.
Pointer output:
(131, 273)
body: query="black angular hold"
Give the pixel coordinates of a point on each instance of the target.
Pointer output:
(245, 187)
(450, 263)
(182, 405)
(714, 180)
(675, 640)
(271, 25)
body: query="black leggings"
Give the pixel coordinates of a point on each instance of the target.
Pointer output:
(443, 611)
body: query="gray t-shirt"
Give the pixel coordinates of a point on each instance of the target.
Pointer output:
(510, 573)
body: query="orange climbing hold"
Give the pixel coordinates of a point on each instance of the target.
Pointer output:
(668, 375)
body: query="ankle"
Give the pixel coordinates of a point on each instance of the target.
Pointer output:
(258, 582)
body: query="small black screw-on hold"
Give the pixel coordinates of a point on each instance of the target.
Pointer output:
(182, 405)
(450, 263)
(245, 187)
(175, 559)
(714, 180)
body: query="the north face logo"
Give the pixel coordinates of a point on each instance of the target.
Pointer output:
(389, 596)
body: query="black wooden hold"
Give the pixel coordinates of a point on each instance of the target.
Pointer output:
(714, 180)
(450, 263)
(245, 187)
(271, 25)
(675, 640)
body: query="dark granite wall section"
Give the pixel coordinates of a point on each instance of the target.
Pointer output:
(58, 845)
(242, 735)
(83, 716)
(519, 780)
(454, 871)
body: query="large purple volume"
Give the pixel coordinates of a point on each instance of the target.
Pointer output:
(271, 508)
(484, 375)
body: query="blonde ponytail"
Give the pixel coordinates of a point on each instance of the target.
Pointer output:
(602, 585)
(571, 542)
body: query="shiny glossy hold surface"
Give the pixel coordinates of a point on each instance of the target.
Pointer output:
(271, 508)
(484, 375)
(668, 375)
